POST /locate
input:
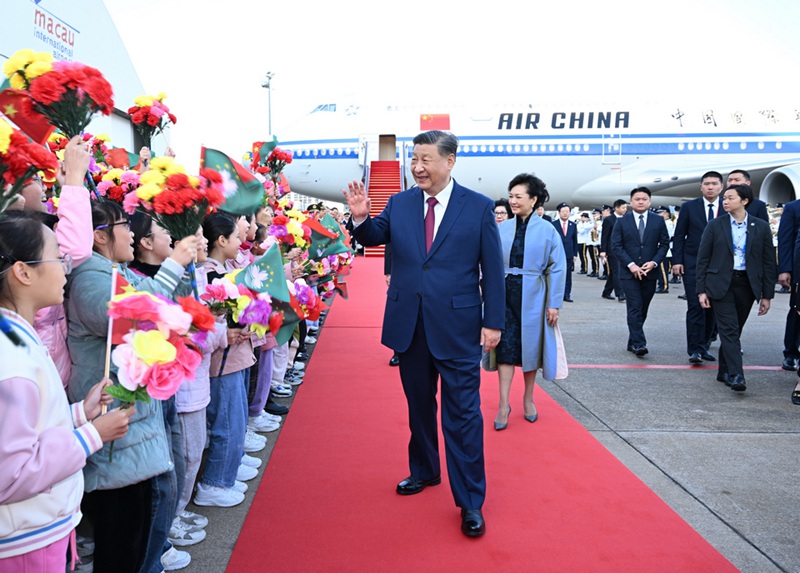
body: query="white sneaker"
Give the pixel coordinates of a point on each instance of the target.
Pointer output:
(173, 559)
(295, 380)
(281, 390)
(259, 424)
(311, 340)
(251, 461)
(252, 443)
(246, 473)
(183, 535)
(272, 417)
(193, 519)
(299, 366)
(210, 495)
(239, 486)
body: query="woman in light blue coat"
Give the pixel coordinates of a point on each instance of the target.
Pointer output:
(535, 266)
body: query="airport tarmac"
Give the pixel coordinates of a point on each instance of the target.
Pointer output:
(725, 461)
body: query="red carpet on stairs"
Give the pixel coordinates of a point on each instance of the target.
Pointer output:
(557, 500)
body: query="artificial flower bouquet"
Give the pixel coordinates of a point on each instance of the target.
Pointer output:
(151, 116)
(158, 353)
(20, 160)
(68, 94)
(116, 184)
(242, 306)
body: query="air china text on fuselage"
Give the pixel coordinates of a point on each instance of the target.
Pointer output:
(563, 120)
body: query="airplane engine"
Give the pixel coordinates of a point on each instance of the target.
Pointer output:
(781, 185)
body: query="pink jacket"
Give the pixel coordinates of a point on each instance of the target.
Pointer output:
(74, 234)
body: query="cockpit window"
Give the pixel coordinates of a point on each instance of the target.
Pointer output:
(325, 107)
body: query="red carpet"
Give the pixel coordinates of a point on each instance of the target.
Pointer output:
(556, 499)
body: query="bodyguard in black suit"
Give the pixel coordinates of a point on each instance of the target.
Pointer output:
(607, 253)
(756, 208)
(685, 242)
(568, 231)
(789, 277)
(735, 267)
(640, 241)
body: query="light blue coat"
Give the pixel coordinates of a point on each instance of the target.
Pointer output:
(543, 278)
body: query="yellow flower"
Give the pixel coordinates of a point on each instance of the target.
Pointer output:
(241, 304)
(18, 61)
(113, 175)
(161, 96)
(38, 68)
(151, 347)
(194, 181)
(17, 82)
(56, 137)
(103, 137)
(143, 101)
(147, 191)
(153, 176)
(231, 276)
(5, 136)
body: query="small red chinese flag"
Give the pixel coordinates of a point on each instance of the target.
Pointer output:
(121, 326)
(429, 121)
(34, 125)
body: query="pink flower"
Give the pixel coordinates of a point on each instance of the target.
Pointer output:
(135, 307)
(163, 380)
(131, 370)
(130, 203)
(174, 318)
(188, 358)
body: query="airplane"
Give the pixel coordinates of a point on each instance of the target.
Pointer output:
(587, 155)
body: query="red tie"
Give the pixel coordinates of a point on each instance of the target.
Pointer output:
(564, 226)
(430, 219)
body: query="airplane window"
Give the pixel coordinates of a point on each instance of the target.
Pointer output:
(761, 145)
(743, 145)
(778, 145)
(516, 148)
(483, 149)
(708, 146)
(716, 146)
(552, 147)
(491, 148)
(586, 147)
(725, 145)
(560, 148)
(525, 148)
(569, 147)
(690, 147)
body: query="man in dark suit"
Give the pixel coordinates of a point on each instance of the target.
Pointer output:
(542, 214)
(568, 231)
(787, 277)
(640, 241)
(607, 254)
(757, 208)
(695, 215)
(735, 267)
(439, 312)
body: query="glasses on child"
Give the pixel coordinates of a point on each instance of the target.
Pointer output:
(109, 225)
(66, 262)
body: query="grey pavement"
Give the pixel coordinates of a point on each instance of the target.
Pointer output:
(726, 462)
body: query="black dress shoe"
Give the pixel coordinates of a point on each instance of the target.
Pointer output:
(683, 296)
(394, 360)
(412, 485)
(696, 358)
(301, 357)
(603, 277)
(662, 291)
(640, 350)
(275, 409)
(568, 299)
(472, 523)
(581, 272)
(790, 364)
(621, 298)
(592, 275)
(708, 357)
(608, 296)
(737, 383)
(723, 377)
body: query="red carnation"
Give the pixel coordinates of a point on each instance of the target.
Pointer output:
(47, 89)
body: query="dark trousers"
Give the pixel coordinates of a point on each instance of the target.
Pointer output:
(662, 279)
(699, 320)
(731, 312)
(791, 334)
(638, 294)
(462, 423)
(613, 281)
(568, 284)
(121, 519)
(582, 250)
(591, 255)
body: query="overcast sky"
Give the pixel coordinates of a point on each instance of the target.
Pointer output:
(211, 56)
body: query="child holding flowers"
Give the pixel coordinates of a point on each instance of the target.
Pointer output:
(43, 442)
(144, 453)
(227, 409)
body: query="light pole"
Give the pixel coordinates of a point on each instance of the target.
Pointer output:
(266, 84)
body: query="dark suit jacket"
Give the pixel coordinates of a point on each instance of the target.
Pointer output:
(605, 235)
(444, 283)
(547, 217)
(689, 229)
(715, 258)
(570, 240)
(787, 237)
(758, 209)
(628, 248)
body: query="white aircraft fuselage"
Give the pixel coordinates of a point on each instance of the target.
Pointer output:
(587, 155)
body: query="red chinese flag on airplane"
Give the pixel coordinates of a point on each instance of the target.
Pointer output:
(34, 125)
(430, 121)
(120, 326)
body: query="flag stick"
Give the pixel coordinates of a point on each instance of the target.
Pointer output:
(107, 367)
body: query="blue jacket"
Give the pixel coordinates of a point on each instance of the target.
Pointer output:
(445, 284)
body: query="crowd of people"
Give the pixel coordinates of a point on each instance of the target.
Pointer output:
(123, 478)
(639, 250)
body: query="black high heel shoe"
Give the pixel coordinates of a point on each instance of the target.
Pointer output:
(498, 426)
